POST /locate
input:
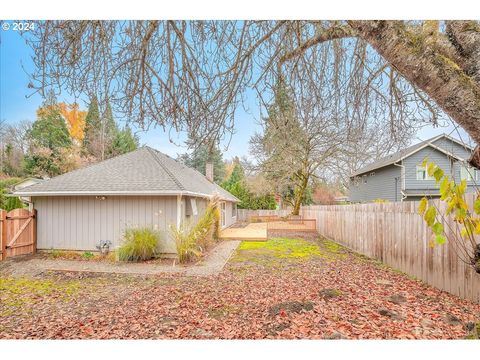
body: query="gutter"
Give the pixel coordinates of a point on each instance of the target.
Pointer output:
(117, 193)
(402, 179)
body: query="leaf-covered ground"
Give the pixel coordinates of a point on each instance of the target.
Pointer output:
(283, 288)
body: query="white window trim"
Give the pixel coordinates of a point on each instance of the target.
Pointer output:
(193, 204)
(469, 171)
(234, 206)
(427, 178)
(223, 211)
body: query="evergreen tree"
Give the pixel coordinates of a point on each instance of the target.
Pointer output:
(237, 176)
(49, 130)
(93, 128)
(101, 131)
(199, 158)
(236, 184)
(50, 141)
(10, 202)
(123, 142)
(110, 133)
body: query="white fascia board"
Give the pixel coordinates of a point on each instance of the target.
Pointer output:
(116, 193)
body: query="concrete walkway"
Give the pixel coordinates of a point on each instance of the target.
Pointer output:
(211, 265)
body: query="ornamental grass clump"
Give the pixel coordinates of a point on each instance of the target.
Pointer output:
(193, 240)
(140, 244)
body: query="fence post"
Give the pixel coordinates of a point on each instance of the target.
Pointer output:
(3, 233)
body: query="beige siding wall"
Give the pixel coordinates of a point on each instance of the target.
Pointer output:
(229, 219)
(188, 213)
(80, 222)
(201, 207)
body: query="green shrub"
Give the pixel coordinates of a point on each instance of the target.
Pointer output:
(139, 244)
(87, 255)
(192, 241)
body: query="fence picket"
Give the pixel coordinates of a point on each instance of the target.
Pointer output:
(395, 234)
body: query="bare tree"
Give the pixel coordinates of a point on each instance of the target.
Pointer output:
(14, 145)
(191, 75)
(299, 137)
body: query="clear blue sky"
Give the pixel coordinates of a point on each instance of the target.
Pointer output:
(15, 56)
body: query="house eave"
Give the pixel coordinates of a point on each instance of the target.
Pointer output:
(118, 193)
(411, 153)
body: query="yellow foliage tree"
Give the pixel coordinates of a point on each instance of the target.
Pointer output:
(75, 120)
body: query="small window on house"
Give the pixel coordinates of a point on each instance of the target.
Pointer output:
(422, 173)
(364, 179)
(468, 173)
(234, 210)
(193, 204)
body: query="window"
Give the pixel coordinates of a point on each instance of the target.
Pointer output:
(468, 173)
(222, 214)
(193, 204)
(234, 210)
(422, 173)
(364, 179)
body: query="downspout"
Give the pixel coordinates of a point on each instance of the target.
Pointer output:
(402, 179)
(27, 200)
(179, 211)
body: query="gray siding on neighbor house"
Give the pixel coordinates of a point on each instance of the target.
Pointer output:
(411, 162)
(453, 148)
(450, 166)
(381, 185)
(471, 184)
(80, 222)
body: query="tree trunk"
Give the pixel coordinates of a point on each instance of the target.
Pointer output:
(421, 62)
(300, 191)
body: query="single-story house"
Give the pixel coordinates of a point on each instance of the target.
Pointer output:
(80, 209)
(402, 176)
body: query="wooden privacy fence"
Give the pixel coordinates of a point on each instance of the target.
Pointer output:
(246, 214)
(397, 235)
(17, 232)
(292, 225)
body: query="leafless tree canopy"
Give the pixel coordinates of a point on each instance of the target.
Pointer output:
(192, 75)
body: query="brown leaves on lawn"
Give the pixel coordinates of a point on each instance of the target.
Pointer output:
(317, 297)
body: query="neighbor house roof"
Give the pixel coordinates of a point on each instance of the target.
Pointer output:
(402, 154)
(144, 171)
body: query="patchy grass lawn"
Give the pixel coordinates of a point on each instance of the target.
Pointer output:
(287, 287)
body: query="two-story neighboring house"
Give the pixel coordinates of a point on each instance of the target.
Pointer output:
(401, 176)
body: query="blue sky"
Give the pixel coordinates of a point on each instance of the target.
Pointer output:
(15, 60)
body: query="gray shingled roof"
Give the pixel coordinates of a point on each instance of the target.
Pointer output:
(393, 158)
(144, 171)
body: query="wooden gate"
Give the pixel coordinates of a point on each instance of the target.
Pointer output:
(18, 232)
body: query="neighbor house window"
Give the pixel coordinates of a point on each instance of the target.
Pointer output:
(422, 173)
(234, 210)
(468, 173)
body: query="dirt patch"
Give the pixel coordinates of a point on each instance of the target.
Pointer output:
(290, 307)
(328, 294)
